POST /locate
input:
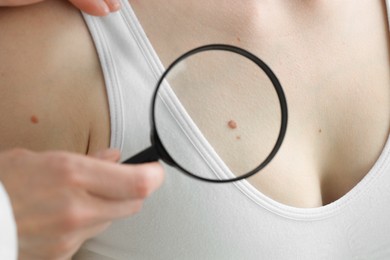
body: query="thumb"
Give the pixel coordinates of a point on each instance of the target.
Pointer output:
(97, 7)
(108, 154)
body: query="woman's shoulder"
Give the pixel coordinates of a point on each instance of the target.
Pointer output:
(51, 80)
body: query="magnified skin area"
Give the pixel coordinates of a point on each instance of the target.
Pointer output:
(214, 84)
(335, 77)
(232, 124)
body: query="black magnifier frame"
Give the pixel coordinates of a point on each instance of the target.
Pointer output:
(157, 151)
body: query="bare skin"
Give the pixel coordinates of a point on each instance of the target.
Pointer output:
(69, 101)
(332, 84)
(336, 79)
(332, 59)
(60, 199)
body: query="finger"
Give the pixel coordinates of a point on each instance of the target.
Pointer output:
(114, 5)
(109, 210)
(135, 181)
(118, 181)
(93, 230)
(102, 178)
(92, 7)
(81, 236)
(91, 212)
(80, 213)
(108, 154)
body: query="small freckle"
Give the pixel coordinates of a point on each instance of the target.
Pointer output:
(320, 131)
(238, 137)
(232, 124)
(238, 39)
(34, 119)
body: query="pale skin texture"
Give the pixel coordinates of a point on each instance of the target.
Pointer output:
(60, 199)
(332, 58)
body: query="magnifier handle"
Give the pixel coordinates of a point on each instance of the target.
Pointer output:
(147, 155)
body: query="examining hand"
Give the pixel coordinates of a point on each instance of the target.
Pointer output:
(61, 199)
(93, 7)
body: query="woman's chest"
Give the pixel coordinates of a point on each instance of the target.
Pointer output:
(333, 63)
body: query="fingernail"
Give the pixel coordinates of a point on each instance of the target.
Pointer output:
(104, 7)
(114, 5)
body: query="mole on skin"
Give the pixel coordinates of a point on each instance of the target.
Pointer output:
(232, 124)
(34, 119)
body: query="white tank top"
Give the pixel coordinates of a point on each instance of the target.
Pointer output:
(189, 219)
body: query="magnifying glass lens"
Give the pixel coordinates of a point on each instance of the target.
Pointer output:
(219, 115)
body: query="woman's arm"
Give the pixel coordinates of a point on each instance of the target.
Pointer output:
(52, 92)
(52, 97)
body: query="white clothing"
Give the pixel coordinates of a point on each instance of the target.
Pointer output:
(8, 235)
(188, 219)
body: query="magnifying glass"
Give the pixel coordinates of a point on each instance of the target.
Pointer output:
(231, 99)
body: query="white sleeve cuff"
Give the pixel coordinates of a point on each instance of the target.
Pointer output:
(8, 234)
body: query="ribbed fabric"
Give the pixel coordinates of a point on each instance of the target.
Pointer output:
(188, 219)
